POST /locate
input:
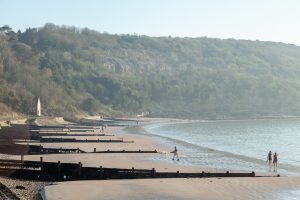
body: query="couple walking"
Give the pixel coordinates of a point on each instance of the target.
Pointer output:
(273, 160)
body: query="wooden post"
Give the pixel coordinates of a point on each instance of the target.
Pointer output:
(60, 150)
(153, 172)
(100, 172)
(79, 169)
(22, 160)
(94, 150)
(177, 173)
(58, 170)
(41, 160)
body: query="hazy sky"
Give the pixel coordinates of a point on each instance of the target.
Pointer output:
(270, 20)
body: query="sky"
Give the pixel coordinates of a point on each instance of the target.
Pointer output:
(266, 20)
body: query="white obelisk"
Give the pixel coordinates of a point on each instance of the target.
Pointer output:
(39, 108)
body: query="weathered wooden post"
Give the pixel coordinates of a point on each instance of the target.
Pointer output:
(94, 150)
(203, 174)
(100, 172)
(22, 160)
(58, 171)
(132, 171)
(60, 150)
(41, 161)
(153, 172)
(79, 169)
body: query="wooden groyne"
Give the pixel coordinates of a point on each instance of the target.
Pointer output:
(21, 149)
(33, 132)
(51, 171)
(70, 134)
(74, 140)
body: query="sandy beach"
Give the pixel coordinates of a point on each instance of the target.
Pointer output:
(277, 188)
(170, 189)
(196, 188)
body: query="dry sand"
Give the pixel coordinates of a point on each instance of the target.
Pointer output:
(116, 160)
(167, 189)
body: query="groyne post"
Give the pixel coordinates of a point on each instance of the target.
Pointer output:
(153, 172)
(100, 172)
(132, 171)
(58, 170)
(41, 161)
(79, 169)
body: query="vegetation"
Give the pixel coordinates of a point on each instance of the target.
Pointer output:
(77, 70)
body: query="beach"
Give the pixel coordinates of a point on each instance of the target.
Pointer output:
(277, 188)
(170, 189)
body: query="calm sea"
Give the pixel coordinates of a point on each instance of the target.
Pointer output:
(241, 145)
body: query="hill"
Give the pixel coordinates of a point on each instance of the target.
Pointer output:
(77, 70)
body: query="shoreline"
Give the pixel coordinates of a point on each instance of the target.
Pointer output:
(176, 188)
(286, 169)
(180, 188)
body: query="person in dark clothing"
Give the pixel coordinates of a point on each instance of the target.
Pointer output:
(275, 161)
(269, 159)
(175, 152)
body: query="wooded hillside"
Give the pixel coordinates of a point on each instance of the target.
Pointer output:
(77, 70)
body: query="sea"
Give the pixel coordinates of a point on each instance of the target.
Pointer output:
(233, 144)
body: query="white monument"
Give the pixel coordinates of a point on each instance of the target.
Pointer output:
(39, 108)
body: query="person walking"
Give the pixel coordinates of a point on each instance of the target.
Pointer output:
(270, 160)
(175, 152)
(275, 161)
